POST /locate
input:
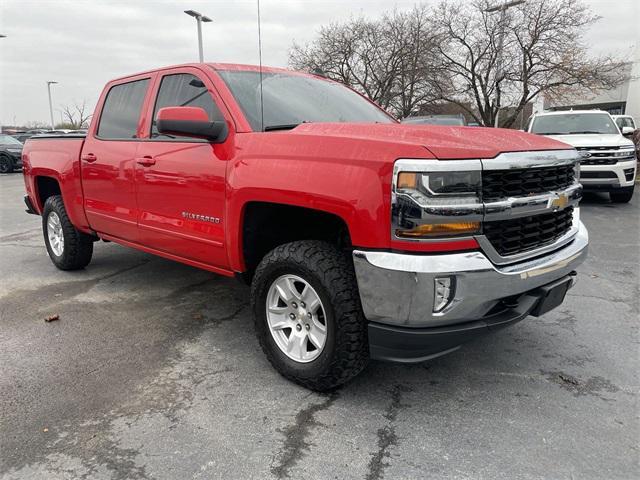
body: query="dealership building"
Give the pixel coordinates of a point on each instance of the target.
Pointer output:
(624, 99)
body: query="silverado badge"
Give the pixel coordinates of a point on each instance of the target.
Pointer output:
(201, 218)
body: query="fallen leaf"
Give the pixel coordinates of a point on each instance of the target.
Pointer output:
(52, 318)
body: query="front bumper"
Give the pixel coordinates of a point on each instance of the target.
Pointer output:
(397, 290)
(411, 345)
(608, 177)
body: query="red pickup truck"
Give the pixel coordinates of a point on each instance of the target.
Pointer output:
(360, 237)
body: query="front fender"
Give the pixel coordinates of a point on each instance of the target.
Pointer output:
(356, 193)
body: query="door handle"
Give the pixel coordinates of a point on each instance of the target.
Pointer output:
(146, 161)
(89, 157)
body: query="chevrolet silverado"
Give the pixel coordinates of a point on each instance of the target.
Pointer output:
(361, 238)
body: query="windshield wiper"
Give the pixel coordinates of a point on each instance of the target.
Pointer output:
(284, 126)
(585, 131)
(551, 133)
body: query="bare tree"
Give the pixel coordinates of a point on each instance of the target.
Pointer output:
(542, 53)
(389, 60)
(77, 114)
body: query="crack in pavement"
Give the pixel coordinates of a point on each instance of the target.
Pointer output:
(296, 444)
(20, 235)
(71, 288)
(387, 437)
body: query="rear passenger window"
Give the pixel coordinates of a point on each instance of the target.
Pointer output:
(121, 110)
(184, 90)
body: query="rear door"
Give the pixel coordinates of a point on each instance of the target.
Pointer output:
(108, 160)
(180, 181)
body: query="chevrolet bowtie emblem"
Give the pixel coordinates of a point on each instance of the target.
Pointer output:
(560, 203)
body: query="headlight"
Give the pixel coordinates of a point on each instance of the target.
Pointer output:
(626, 151)
(427, 194)
(14, 150)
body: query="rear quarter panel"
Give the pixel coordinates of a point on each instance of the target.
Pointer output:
(57, 158)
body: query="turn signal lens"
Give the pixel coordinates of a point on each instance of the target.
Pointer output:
(428, 230)
(407, 180)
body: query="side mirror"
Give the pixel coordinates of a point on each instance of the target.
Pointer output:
(190, 122)
(627, 131)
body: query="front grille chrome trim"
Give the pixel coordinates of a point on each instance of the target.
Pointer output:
(535, 205)
(524, 160)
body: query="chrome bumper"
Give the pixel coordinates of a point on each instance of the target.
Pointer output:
(398, 289)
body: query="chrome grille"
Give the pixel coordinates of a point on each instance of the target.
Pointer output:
(600, 155)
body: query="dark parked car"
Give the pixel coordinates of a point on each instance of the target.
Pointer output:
(10, 153)
(452, 120)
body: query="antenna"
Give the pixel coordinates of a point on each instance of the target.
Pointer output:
(260, 69)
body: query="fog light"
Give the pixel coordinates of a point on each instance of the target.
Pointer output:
(443, 290)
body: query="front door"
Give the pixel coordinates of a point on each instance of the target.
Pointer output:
(108, 161)
(181, 181)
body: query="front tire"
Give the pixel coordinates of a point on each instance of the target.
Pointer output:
(623, 195)
(308, 316)
(68, 248)
(6, 164)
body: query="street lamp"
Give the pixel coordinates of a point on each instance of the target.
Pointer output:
(199, 19)
(502, 8)
(49, 83)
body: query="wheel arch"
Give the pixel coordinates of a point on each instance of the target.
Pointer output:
(45, 187)
(264, 225)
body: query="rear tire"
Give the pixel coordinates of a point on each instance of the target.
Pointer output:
(329, 273)
(68, 248)
(623, 195)
(6, 164)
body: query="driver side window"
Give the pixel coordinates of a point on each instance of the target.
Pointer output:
(183, 90)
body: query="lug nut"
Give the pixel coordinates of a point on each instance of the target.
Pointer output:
(292, 316)
(303, 305)
(298, 327)
(294, 305)
(308, 326)
(309, 314)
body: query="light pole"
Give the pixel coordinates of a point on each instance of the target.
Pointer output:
(199, 19)
(49, 83)
(3, 36)
(502, 8)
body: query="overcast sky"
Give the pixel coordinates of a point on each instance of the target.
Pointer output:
(82, 44)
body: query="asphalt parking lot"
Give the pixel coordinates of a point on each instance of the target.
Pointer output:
(153, 371)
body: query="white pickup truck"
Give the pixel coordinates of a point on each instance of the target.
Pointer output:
(608, 160)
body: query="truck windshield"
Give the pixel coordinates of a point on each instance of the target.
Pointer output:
(574, 123)
(291, 99)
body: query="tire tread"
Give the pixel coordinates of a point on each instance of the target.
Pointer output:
(335, 272)
(78, 246)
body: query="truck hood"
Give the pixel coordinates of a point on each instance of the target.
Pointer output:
(444, 142)
(593, 140)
